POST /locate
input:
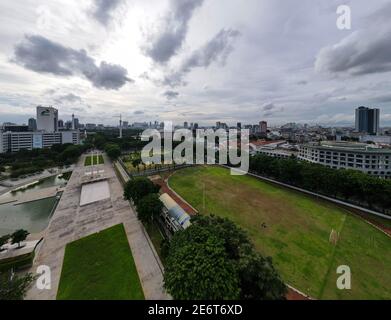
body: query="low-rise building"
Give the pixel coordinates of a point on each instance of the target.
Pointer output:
(16, 141)
(275, 149)
(173, 216)
(344, 155)
(376, 139)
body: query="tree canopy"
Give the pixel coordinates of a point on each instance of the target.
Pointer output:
(198, 267)
(16, 287)
(137, 188)
(348, 185)
(18, 236)
(214, 259)
(149, 207)
(36, 160)
(3, 240)
(113, 151)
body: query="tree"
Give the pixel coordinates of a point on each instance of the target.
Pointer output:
(349, 185)
(138, 188)
(113, 151)
(4, 240)
(136, 162)
(149, 207)
(19, 236)
(71, 154)
(14, 288)
(212, 243)
(99, 141)
(258, 278)
(234, 238)
(197, 267)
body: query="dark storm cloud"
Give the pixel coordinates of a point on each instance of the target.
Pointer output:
(216, 50)
(171, 94)
(270, 109)
(365, 51)
(41, 55)
(167, 40)
(103, 9)
(68, 98)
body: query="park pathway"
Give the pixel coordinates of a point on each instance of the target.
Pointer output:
(71, 222)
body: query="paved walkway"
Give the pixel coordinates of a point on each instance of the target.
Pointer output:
(33, 195)
(13, 250)
(11, 185)
(71, 222)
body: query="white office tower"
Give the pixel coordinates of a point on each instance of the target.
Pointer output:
(47, 119)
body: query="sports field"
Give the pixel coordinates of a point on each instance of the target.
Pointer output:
(100, 267)
(294, 229)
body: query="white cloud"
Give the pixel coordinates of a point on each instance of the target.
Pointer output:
(272, 62)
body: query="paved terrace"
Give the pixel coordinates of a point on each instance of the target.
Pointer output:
(33, 195)
(8, 184)
(71, 222)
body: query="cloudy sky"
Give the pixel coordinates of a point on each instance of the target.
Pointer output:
(195, 60)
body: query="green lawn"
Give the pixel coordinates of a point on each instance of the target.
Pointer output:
(94, 160)
(156, 238)
(294, 229)
(100, 267)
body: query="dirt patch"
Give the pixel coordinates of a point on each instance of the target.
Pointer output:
(165, 189)
(294, 295)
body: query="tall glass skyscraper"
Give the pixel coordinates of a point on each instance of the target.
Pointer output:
(367, 120)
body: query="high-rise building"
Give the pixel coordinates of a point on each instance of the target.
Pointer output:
(68, 125)
(32, 124)
(185, 125)
(91, 126)
(14, 138)
(263, 127)
(47, 119)
(367, 120)
(60, 124)
(239, 125)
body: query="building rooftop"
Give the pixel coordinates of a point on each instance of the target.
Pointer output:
(175, 211)
(350, 146)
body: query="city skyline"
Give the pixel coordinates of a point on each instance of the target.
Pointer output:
(190, 61)
(63, 123)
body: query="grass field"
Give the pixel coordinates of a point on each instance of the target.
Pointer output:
(100, 267)
(294, 229)
(94, 160)
(156, 238)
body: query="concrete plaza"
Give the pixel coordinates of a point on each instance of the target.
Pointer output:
(71, 222)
